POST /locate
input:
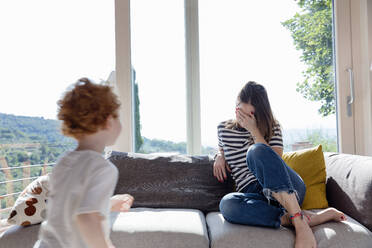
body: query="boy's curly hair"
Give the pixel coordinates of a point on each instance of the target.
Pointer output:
(85, 108)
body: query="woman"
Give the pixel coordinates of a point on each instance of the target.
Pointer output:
(269, 192)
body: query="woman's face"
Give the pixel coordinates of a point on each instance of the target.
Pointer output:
(246, 108)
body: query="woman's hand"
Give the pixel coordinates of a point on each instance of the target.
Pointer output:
(219, 168)
(247, 121)
(121, 203)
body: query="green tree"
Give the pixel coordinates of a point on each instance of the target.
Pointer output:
(138, 136)
(22, 157)
(44, 150)
(311, 31)
(35, 158)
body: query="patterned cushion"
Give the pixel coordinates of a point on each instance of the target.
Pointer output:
(30, 207)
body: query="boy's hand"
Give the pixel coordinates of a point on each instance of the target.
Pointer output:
(121, 203)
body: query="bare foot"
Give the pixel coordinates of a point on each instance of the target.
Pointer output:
(304, 235)
(326, 215)
(329, 214)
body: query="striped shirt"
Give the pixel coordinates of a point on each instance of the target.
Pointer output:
(235, 143)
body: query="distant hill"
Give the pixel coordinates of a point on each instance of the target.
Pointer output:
(156, 145)
(25, 129)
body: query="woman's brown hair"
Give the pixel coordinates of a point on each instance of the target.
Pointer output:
(256, 95)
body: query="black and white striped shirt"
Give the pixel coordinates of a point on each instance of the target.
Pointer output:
(235, 143)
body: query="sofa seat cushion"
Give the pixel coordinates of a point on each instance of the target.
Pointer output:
(20, 236)
(141, 227)
(162, 228)
(223, 234)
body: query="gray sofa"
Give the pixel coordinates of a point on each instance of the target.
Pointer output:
(177, 201)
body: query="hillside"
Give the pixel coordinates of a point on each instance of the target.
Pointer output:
(37, 139)
(39, 136)
(25, 129)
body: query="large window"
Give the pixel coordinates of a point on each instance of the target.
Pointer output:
(158, 61)
(244, 41)
(312, 38)
(239, 41)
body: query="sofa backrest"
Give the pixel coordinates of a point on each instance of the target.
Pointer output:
(349, 185)
(169, 181)
(182, 181)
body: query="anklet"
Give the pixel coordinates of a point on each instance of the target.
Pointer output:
(299, 214)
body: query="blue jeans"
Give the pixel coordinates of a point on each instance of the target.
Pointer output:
(255, 204)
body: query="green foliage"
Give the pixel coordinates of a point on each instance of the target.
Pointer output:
(138, 136)
(24, 129)
(311, 31)
(138, 140)
(318, 137)
(21, 157)
(35, 158)
(29, 140)
(156, 145)
(40, 140)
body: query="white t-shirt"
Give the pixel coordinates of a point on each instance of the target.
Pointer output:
(81, 182)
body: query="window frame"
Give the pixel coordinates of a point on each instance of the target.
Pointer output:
(353, 50)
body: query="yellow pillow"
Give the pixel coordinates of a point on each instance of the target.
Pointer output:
(310, 165)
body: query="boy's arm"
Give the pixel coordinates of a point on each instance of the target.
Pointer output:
(90, 227)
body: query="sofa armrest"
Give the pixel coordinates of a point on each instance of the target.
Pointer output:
(349, 185)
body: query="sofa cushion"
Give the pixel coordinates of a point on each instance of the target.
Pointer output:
(169, 181)
(349, 185)
(310, 165)
(163, 228)
(20, 236)
(141, 227)
(223, 234)
(30, 207)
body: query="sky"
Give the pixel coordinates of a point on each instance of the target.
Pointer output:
(47, 45)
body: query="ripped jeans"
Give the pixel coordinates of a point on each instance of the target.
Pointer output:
(255, 205)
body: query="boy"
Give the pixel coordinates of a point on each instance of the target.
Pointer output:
(82, 181)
